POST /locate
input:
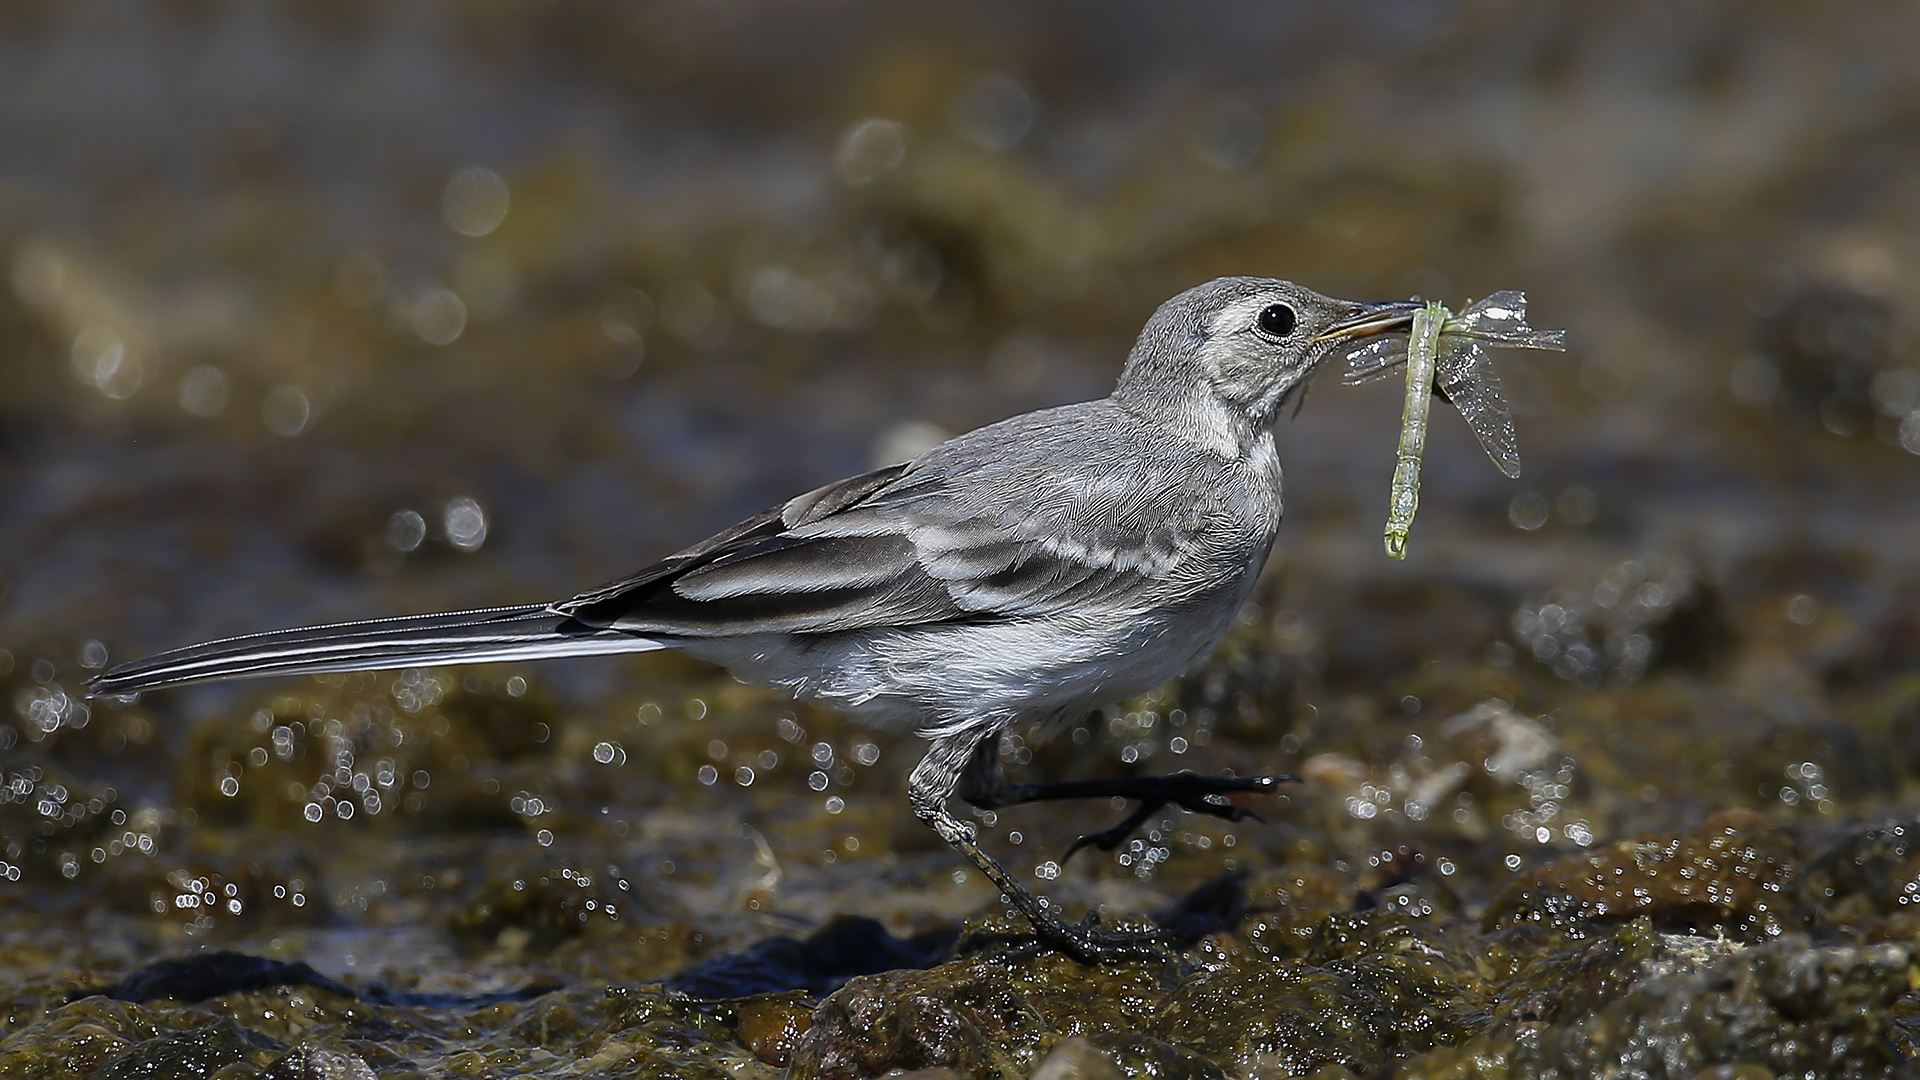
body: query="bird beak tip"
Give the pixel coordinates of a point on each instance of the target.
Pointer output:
(1369, 319)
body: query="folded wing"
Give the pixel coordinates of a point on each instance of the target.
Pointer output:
(949, 537)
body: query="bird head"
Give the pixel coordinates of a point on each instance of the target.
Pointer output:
(1238, 346)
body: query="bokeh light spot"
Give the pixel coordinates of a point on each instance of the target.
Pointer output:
(475, 201)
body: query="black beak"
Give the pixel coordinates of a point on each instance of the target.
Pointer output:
(1367, 320)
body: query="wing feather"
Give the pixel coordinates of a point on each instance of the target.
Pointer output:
(956, 535)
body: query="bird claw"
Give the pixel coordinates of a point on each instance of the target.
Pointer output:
(1090, 943)
(1085, 941)
(1105, 841)
(1202, 795)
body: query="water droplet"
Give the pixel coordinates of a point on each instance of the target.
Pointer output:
(101, 360)
(1577, 505)
(286, 410)
(406, 529)
(1803, 609)
(203, 392)
(465, 523)
(1528, 510)
(992, 110)
(475, 201)
(438, 315)
(1910, 433)
(869, 150)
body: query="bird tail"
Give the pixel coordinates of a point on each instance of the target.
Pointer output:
(528, 632)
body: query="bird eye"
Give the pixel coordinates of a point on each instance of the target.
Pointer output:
(1278, 320)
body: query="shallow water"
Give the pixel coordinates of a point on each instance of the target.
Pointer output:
(332, 311)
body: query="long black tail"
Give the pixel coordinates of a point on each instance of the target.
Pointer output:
(460, 637)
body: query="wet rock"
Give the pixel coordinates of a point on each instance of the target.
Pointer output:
(1139, 1054)
(1637, 615)
(76, 1039)
(212, 974)
(967, 1017)
(380, 750)
(1738, 874)
(1077, 1059)
(1802, 764)
(1101, 1002)
(1889, 649)
(519, 907)
(1506, 744)
(1408, 623)
(990, 1018)
(308, 1062)
(625, 1030)
(1371, 997)
(1824, 345)
(1892, 722)
(1787, 1008)
(1217, 905)
(1564, 982)
(846, 946)
(1873, 871)
(201, 1051)
(1287, 905)
(770, 1025)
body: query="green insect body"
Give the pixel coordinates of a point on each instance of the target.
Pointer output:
(1422, 352)
(1445, 353)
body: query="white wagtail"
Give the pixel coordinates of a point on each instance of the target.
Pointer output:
(1027, 572)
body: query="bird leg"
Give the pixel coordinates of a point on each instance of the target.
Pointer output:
(931, 787)
(983, 785)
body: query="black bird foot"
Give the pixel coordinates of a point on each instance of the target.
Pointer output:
(1091, 943)
(1085, 941)
(1191, 792)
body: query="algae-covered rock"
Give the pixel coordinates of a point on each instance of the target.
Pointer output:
(212, 974)
(1287, 904)
(987, 1018)
(308, 1062)
(76, 1039)
(1385, 1000)
(1077, 1059)
(1876, 869)
(770, 1025)
(1139, 1055)
(844, 947)
(221, 1049)
(1787, 1008)
(1738, 874)
(964, 1016)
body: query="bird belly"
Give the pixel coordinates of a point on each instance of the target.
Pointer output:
(941, 678)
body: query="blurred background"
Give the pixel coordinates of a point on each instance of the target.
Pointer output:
(327, 310)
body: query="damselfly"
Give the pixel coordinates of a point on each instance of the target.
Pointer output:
(1445, 353)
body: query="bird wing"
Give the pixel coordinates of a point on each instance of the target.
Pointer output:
(981, 528)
